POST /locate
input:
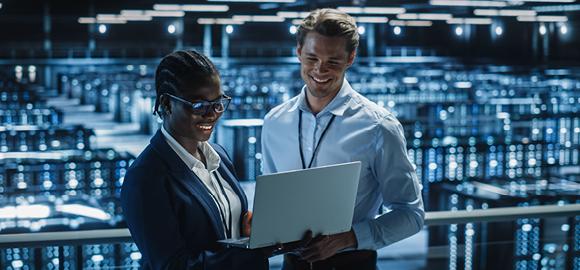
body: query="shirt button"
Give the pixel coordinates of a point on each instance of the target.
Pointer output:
(309, 148)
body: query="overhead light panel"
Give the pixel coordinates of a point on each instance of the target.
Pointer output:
(205, 8)
(267, 19)
(486, 12)
(424, 16)
(468, 3)
(481, 21)
(287, 14)
(206, 21)
(164, 13)
(384, 10)
(107, 17)
(419, 23)
(242, 18)
(167, 7)
(408, 16)
(557, 8)
(372, 19)
(115, 21)
(227, 21)
(504, 12)
(372, 10)
(435, 16)
(218, 21)
(297, 21)
(516, 12)
(141, 18)
(552, 18)
(134, 12)
(542, 19)
(258, 18)
(131, 16)
(411, 23)
(87, 20)
(110, 19)
(191, 8)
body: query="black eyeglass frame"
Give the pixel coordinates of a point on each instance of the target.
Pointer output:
(196, 107)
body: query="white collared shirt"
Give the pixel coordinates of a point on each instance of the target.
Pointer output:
(362, 131)
(207, 177)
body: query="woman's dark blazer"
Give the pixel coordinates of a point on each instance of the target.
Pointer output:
(172, 217)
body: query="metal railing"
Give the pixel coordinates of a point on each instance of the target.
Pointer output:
(431, 219)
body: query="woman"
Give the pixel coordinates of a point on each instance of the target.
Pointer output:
(180, 196)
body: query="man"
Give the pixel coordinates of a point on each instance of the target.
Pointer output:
(330, 123)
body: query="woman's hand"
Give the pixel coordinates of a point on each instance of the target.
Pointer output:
(247, 224)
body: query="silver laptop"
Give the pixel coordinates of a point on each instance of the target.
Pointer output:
(287, 204)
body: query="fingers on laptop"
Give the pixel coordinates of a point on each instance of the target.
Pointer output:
(247, 223)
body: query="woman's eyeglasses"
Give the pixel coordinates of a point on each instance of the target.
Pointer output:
(202, 107)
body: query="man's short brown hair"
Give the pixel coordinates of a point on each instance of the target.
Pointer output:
(331, 23)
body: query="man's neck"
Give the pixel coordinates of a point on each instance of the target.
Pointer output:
(317, 104)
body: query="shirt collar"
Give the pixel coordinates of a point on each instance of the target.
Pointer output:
(212, 158)
(337, 106)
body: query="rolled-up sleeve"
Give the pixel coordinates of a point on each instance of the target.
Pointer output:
(400, 191)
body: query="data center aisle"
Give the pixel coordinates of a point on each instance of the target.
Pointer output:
(108, 133)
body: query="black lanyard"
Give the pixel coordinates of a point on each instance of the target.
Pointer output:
(228, 225)
(317, 145)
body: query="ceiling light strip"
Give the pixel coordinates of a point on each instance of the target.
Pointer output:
(372, 10)
(542, 19)
(411, 23)
(468, 3)
(218, 21)
(425, 16)
(372, 19)
(258, 18)
(479, 21)
(504, 12)
(191, 8)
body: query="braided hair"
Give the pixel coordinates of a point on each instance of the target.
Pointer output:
(179, 70)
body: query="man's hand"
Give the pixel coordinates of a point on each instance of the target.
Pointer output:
(324, 246)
